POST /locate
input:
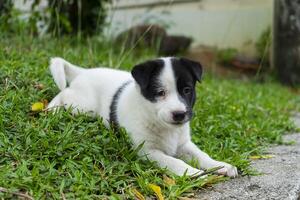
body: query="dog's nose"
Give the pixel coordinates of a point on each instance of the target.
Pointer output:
(178, 116)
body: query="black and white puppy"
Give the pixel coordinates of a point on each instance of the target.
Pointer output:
(153, 103)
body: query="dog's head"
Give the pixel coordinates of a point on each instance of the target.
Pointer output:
(169, 85)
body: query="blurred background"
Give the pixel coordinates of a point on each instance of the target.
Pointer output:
(231, 38)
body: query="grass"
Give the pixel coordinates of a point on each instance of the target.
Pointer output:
(62, 156)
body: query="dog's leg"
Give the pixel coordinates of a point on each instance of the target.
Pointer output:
(77, 100)
(175, 165)
(55, 103)
(189, 151)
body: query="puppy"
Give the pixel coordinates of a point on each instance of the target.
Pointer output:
(153, 103)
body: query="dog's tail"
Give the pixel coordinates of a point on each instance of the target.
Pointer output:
(63, 72)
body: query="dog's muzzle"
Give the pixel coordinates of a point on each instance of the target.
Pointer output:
(181, 117)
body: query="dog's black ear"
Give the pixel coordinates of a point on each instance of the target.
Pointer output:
(143, 72)
(194, 67)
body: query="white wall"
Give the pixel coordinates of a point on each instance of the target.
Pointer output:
(221, 23)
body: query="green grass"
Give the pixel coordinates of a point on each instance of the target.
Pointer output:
(51, 156)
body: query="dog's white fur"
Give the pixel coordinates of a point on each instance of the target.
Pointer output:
(92, 90)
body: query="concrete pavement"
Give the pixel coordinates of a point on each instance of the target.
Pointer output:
(280, 177)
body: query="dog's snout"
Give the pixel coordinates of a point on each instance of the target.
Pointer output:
(178, 116)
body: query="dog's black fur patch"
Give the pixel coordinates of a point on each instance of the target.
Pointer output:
(145, 74)
(113, 118)
(186, 73)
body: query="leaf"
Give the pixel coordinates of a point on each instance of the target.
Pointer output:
(38, 106)
(168, 181)
(45, 102)
(156, 189)
(39, 86)
(257, 157)
(137, 194)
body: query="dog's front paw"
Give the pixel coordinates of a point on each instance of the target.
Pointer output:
(228, 170)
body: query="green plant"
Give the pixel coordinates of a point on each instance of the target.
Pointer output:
(263, 45)
(225, 56)
(5, 13)
(68, 16)
(60, 17)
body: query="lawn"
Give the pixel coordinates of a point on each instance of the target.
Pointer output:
(62, 156)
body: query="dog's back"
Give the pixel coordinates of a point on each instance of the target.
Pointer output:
(86, 90)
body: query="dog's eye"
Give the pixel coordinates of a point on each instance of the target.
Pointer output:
(161, 93)
(187, 90)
